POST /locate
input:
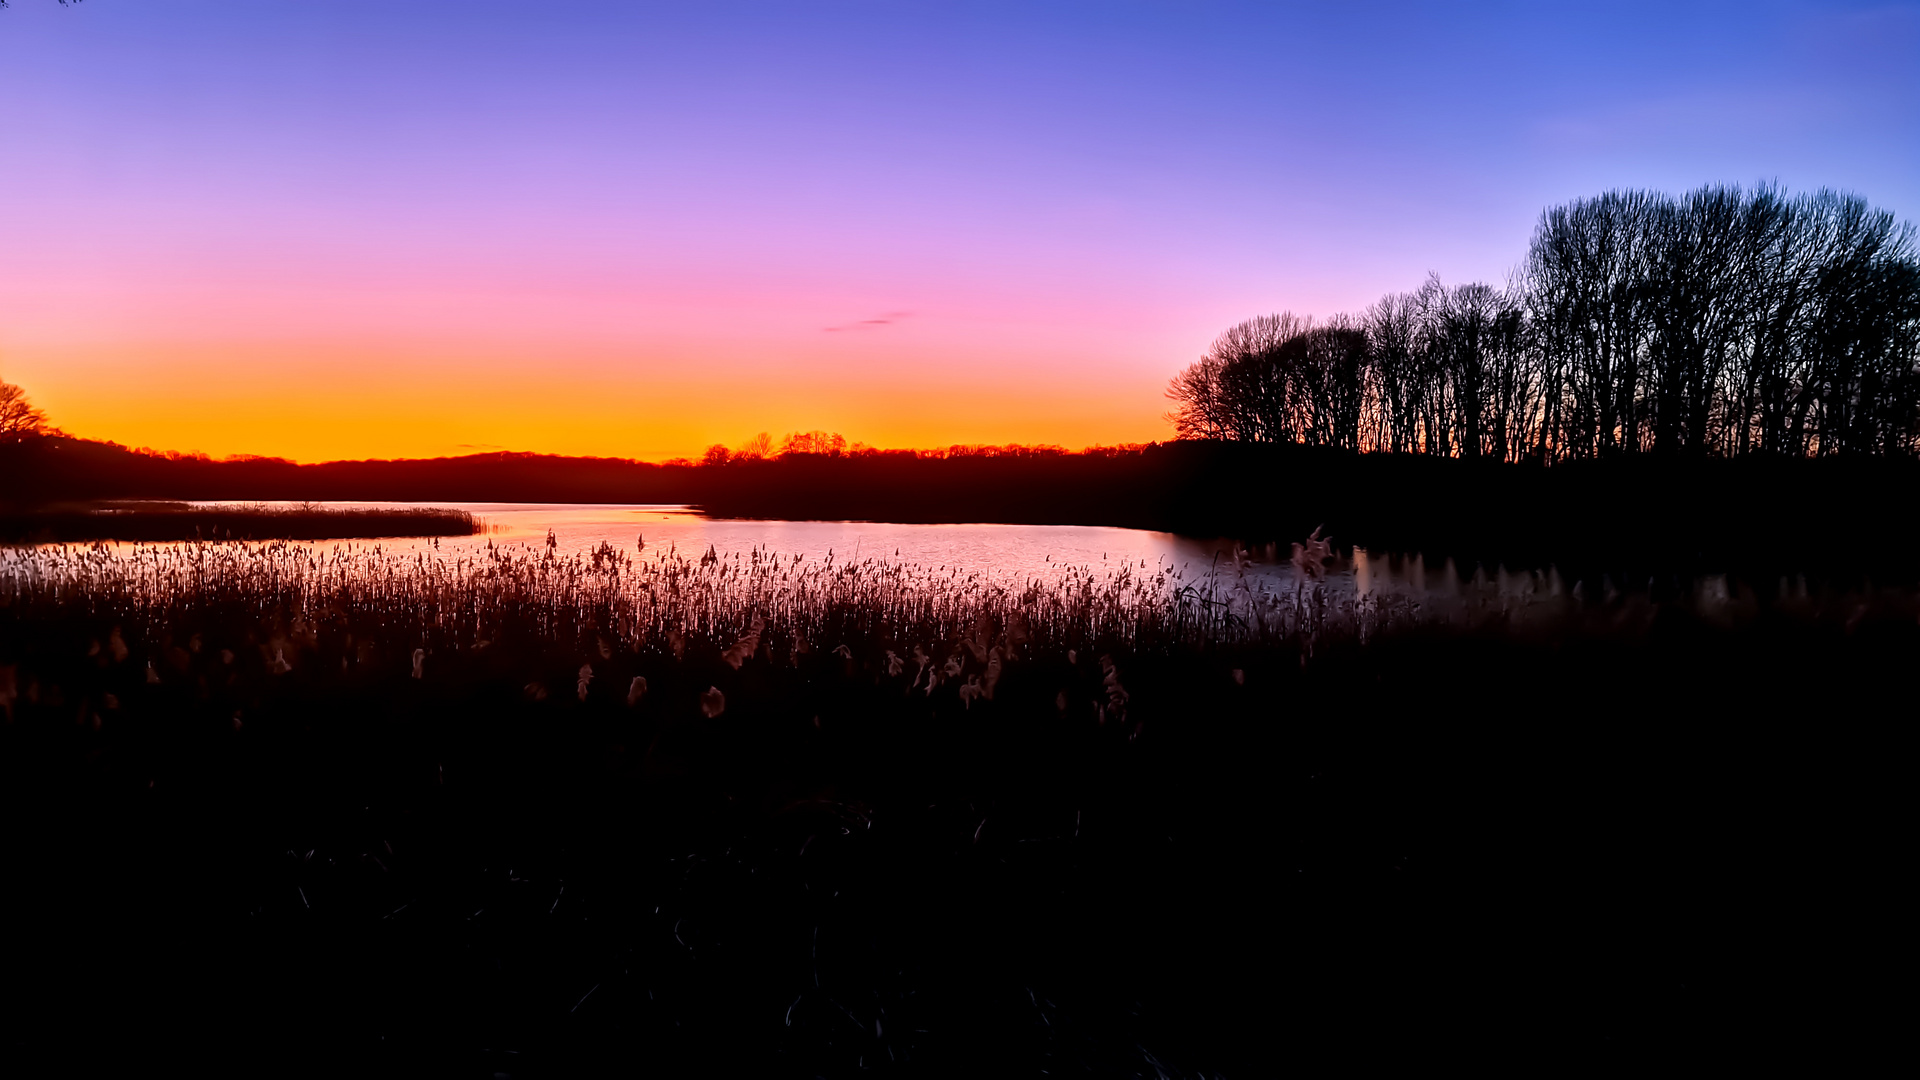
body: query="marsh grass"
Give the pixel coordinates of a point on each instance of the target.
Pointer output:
(506, 810)
(463, 600)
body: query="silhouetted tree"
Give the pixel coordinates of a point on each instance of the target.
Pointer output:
(813, 442)
(1241, 388)
(1199, 410)
(1587, 286)
(17, 415)
(1728, 322)
(1723, 322)
(1483, 393)
(1327, 384)
(1858, 363)
(1397, 378)
(756, 448)
(1701, 292)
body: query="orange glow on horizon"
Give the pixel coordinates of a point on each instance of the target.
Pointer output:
(311, 404)
(404, 230)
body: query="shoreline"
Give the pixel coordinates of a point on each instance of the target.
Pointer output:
(1633, 517)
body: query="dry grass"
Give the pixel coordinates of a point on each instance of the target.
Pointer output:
(467, 600)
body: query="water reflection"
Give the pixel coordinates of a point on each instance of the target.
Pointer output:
(1255, 590)
(1000, 553)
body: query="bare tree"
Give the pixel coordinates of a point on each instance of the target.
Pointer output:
(1396, 379)
(1587, 286)
(1327, 369)
(1240, 388)
(1699, 297)
(756, 448)
(1723, 322)
(1484, 394)
(1199, 410)
(813, 442)
(18, 417)
(1859, 359)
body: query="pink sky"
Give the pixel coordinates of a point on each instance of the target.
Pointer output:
(367, 229)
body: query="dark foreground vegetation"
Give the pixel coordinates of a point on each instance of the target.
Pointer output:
(160, 521)
(542, 816)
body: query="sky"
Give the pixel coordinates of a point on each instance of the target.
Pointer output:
(381, 229)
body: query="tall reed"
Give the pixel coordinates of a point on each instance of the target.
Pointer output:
(466, 599)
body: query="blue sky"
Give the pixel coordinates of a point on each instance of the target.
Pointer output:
(1028, 215)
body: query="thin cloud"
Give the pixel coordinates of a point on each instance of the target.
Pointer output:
(887, 319)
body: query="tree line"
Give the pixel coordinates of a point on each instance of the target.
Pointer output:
(762, 447)
(1725, 322)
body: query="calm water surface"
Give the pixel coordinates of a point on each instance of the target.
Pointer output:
(1011, 553)
(1002, 551)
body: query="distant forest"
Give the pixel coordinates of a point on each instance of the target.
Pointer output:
(1722, 323)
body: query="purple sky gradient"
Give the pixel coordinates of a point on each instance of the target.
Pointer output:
(360, 228)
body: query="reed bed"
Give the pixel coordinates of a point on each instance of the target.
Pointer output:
(504, 810)
(464, 600)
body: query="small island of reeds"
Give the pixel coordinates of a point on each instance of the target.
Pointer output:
(157, 521)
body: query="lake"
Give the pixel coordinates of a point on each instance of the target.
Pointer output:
(1010, 553)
